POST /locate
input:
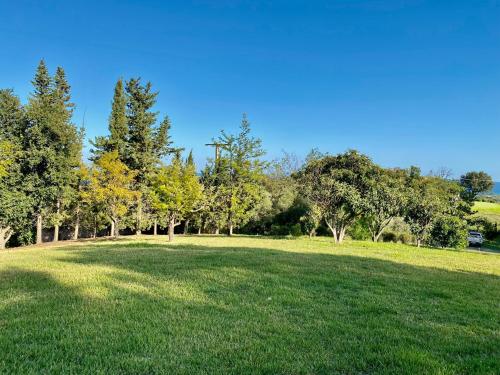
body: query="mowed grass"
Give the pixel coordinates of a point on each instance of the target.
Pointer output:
(489, 210)
(248, 305)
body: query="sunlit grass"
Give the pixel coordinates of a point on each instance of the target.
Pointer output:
(489, 210)
(248, 305)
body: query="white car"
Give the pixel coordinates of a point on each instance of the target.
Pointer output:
(475, 239)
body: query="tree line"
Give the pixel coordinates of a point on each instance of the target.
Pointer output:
(136, 180)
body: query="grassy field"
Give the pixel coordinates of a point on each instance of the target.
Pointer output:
(488, 210)
(248, 305)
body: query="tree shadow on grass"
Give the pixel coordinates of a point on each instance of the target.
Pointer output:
(147, 308)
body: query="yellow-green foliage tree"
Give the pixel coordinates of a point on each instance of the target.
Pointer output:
(176, 193)
(110, 185)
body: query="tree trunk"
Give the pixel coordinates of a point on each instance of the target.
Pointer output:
(171, 226)
(112, 231)
(138, 231)
(199, 230)
(376, 235)
(419, 242)
(5, 234)
(155, 228)
(186, 227)
(77, 223)
(117, 229)
(56, 227)
(230, 229)
(217, 230)
(56, 233)
(333, 230)
(39, 229)
(341, 235)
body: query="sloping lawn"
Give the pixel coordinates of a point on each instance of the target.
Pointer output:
(248, 305)
(489, 210)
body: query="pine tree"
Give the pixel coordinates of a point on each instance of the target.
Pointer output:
(190, 160)
(67, 146)
(146, 143)
(39, 158)
(42, 82)
(239, 173)
(118, 126)
(52, 148)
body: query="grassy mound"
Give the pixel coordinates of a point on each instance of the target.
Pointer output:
(248, 305)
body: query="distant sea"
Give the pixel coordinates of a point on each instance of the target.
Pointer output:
(496, 188)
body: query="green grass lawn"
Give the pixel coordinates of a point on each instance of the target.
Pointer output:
(488, 210)
(248, 305)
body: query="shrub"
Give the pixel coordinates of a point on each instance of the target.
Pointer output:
(449, 231)
(405, 238)
(359, 230)
(279, 230)
(296, 230)
(389, 237)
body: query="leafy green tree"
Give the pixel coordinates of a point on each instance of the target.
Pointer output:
(335, 185)
(110, 186)
(190, 169)
(279, 182)
(5, 159)
(449, 231)
(210, 216)
(177, 192)
(311, 220)
(428, 199)
(15, 208)
(92, 213)
(15, 205)
(383, 201)
(475, 183)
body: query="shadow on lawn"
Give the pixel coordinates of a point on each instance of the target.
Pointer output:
(185, 308)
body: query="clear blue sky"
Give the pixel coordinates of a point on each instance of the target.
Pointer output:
(407, 82)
